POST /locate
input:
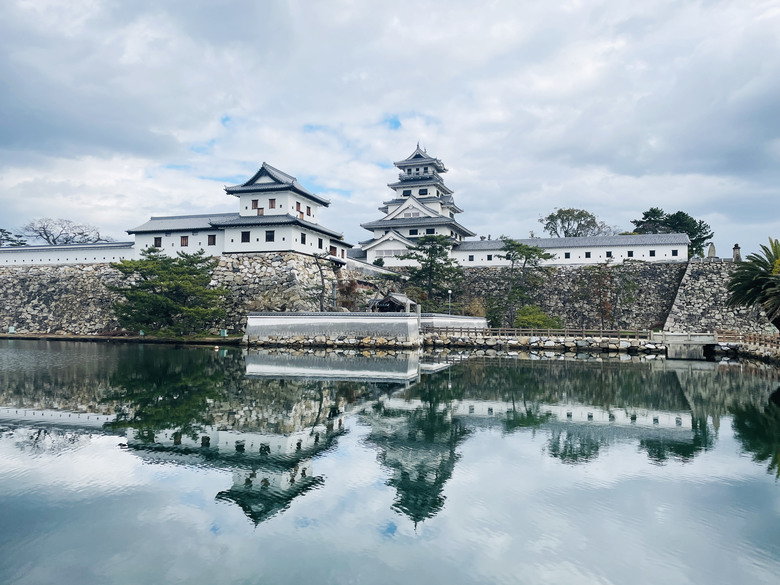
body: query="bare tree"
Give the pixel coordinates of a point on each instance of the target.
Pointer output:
(63, 231)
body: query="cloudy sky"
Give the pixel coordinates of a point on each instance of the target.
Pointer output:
(113, 111)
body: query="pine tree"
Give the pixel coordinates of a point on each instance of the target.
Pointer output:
(168, 295)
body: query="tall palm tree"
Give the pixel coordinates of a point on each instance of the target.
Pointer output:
(756, 282)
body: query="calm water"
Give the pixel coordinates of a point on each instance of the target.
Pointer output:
(145, 464)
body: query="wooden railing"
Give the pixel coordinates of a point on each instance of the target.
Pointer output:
(511, 332)
(758, 339)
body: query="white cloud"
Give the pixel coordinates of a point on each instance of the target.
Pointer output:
(611, 107)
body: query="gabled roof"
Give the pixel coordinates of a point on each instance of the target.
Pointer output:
(421, 156)
(583, 242)
(391, 235)
(418, 222)
(269, 220)
(268, 178)
(412, 202)
(175, 223)
(446, 201)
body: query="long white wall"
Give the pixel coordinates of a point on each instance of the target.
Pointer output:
(583, 255)
(78, 254)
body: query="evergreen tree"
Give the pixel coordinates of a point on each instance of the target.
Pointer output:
(168, 295)
(655, 221)
(7, 238)
(436, 271)
(520, 275)
(572, 223)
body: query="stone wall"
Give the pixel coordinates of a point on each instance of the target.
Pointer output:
(563, 293)
(57, 298)
(700, 303)
(73, 299)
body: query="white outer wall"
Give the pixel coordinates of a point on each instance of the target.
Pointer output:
(19, 257)
(285, 203)
(663, 253)
(172, 244)
(389, 245)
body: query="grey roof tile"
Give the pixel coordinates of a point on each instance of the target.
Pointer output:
(173, 223)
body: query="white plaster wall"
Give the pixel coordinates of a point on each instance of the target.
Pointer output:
(598, 255)
(388, 245)
(171, 244)
(284, 239)
(62, 255)
(285, 203)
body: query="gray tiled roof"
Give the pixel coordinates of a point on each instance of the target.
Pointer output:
(284, 182)
(173, 223)
(357, 254)
(415, 221)
(584, 242)
(418, 181)
(447, 200)
(286, 219)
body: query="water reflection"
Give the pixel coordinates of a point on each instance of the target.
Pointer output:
(758, 429)
(266, 417)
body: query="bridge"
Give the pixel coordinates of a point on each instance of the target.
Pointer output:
(684, 346)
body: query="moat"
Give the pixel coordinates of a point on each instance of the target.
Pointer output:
(132, 463)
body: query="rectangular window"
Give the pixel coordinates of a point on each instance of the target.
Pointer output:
(308, 210)
(425, 169)
(244, 237)
(674, 252)
(652, 252)
(333, 250)
(490, 257)
(609, 254)
(185, 240)
(423, 191)
(158, 242)
(260, 211)
(269, 235)
(630, 253)
(342, 253)
(430, 231)
(567, 255)
(319, 243)
(471, 257)
(272, 204)
(303, 238)
(408, 171)
(255, 203)
(298, 206)
(212, 240)
(587, 254)
(406, 192)
(413, 232)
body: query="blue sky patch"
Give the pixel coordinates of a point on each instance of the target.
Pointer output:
(204, 148)
(392, 121)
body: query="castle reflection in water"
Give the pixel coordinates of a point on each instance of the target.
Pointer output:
(268, 416)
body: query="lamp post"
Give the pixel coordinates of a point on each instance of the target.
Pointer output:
(449, 302)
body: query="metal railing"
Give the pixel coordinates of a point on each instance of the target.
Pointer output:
(757, 339)
(512, 332)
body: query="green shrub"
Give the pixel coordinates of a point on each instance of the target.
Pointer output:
(532, 317)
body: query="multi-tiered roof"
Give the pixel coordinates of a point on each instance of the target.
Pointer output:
(422, 204)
